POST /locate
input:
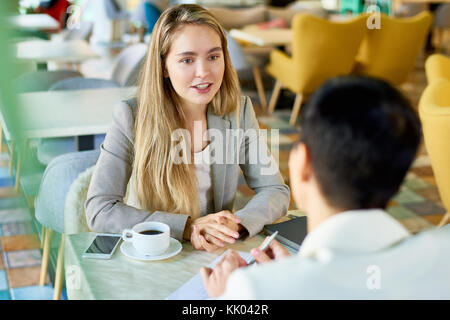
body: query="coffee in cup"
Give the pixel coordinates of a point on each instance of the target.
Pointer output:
(149, 238)
(150, 232)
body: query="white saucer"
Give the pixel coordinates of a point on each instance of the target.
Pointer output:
(128, 250)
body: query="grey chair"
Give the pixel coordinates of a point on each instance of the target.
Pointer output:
(41, 80)
(128, 64)
(80, 83)
(125, 70)
(50, 202)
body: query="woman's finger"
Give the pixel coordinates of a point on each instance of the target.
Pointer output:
(213, 240)
(216, 231)
(229, 215)
(207, 246)
(226, 230)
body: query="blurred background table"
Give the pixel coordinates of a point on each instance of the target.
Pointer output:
(43, 51)
(41, 22)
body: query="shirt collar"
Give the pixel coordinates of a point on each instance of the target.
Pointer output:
(355, 231)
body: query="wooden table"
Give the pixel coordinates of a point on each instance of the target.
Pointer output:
(41, 22)
(50, 114)
(43, 51)
(274, 37)
(267, 37)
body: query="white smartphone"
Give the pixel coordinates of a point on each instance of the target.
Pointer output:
(103, 246)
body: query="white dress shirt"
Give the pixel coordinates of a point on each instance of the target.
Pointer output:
(360, 254)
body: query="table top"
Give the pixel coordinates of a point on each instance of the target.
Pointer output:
(124, 278)
(273, 36)
(41, 51)
(263, 37)
(39, 21)
(49, 114)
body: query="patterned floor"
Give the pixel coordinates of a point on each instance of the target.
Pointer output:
(20, 247)
(417, 205)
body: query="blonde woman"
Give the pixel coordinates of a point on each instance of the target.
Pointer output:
(187, 83)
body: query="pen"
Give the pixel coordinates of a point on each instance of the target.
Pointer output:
(264, 247)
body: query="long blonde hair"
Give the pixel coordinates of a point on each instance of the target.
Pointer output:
(159, 183)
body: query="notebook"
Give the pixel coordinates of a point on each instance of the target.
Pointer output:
(290, 233)
(194, 289)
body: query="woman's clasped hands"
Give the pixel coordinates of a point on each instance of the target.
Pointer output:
(214, 230)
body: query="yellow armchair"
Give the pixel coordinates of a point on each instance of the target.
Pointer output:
(437, 66)
(321, 49)
(434, 111)
(391, 52)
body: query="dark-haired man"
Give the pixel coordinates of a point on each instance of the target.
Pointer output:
(359, 137)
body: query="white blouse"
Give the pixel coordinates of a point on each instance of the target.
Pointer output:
(202, 162)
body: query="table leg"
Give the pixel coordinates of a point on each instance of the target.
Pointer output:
(84, 142)
(275, 94)
(42, 66)
(59, 275)
(21, 154)
(296, 109)
(260, 88)
(45, 256)
(11, 157)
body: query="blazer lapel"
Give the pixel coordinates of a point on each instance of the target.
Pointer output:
(218, 170)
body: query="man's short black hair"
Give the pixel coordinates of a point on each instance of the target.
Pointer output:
(363, 136)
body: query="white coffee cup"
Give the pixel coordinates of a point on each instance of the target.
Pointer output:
(149, 244)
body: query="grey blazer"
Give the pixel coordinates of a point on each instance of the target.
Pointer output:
(105, 207)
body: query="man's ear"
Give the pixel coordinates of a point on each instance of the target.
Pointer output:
(300, 161)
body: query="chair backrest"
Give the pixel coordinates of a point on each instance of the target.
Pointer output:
(83, 31)
(42, 80)
(79, 83)
(437, 66)
(391, 52)
(434, 111)
(128, 64)
(56, 181)
(322, 49)
(74, 210)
